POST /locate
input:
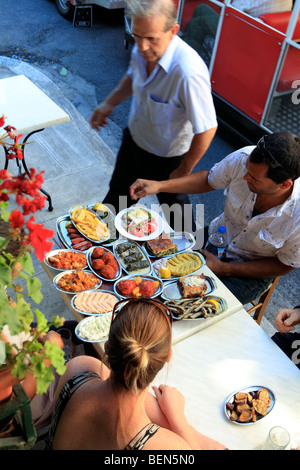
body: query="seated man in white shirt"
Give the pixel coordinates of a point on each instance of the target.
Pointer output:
(261, 213)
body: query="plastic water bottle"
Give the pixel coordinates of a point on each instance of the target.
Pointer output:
(218, 239)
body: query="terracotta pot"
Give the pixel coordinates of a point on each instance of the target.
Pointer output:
(7, 381)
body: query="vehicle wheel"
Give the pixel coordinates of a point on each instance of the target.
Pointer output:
(65, 9)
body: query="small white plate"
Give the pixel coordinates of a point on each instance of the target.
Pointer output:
(154, 215)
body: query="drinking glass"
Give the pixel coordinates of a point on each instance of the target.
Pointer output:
(278, 439)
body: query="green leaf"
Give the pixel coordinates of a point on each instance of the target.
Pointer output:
(3, 243)
(27, 265)
(56, 356)
(34, 286)
(42, 323)
(58, 321)
(24, 313)
(9, 316)
(20, 368)
(5, 275)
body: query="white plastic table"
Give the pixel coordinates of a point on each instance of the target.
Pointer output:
(29, 110)
(232, 354)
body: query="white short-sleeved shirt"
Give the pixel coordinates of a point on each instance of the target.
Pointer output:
(276, 232)
(260, 7)
(173, 103)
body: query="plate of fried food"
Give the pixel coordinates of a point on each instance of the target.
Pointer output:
(94, 302)
(138, 286)
(194, 309)
(78, 280)
(89, 224)
(178, 265)
(103, 263)
(65, 259)
(249, 405)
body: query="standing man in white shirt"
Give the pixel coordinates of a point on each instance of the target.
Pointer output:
(172, 118)
(261, 212)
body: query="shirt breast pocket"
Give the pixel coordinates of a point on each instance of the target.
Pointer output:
(162, 113)
(276, 242)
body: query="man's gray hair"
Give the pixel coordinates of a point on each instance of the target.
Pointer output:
(150, 8)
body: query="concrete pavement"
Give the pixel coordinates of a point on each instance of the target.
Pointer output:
(77, 164)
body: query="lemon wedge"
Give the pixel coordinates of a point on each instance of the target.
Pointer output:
(164, 272)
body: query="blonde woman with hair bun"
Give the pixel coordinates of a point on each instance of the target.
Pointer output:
(101, 407)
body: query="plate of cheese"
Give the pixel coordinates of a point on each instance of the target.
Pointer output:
(94, 329)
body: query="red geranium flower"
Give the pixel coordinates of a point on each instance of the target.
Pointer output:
(38, 238)
(16, 219)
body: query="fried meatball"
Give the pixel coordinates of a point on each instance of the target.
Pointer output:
(108, 272)
(107, 257)
(98, 252)
(98, 264)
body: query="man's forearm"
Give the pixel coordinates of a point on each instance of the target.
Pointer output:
(195, 183)
(121, 92)
(198, 148)
(261, 268)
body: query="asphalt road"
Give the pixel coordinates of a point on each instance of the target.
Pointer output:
(86, 63)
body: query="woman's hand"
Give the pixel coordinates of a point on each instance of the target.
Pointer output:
(171, 403)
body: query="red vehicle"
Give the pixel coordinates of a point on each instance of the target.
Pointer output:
(254, 64)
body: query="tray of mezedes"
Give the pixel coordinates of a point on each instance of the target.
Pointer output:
(169, 258)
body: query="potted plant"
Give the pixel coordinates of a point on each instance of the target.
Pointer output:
(20, 236)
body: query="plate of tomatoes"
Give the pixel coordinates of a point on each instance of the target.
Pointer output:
(138, 286)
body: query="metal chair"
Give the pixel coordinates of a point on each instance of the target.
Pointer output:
(17, 429)
(261, 304)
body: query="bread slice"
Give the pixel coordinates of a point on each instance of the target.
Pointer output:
(192, 286)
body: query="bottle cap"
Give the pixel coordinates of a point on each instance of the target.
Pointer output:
(222, 229)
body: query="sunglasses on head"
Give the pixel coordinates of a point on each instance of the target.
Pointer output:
(118, 308)
(272, 162)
